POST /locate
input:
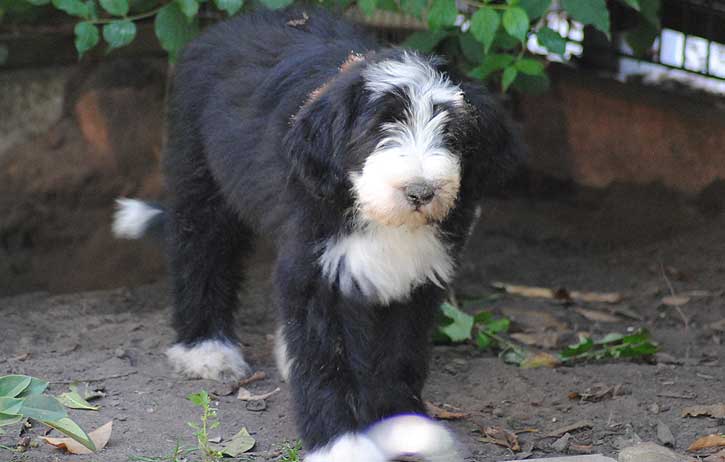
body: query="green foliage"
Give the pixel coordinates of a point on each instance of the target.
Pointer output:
(22, 397)
(291, 452)
(495, 48)
(208, 422)
(635, 345)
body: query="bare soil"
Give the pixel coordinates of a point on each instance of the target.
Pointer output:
(644, 243)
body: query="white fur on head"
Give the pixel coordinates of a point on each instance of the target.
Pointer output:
(386, 263)
(211, 359)
(350, 447)
(281, 354)
(132, 218)
(412, 149)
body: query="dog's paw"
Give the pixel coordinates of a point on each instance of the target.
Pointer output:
(350, 447)
(210, 359)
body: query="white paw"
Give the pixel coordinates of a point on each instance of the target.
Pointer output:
(210, 359)
(350, 447)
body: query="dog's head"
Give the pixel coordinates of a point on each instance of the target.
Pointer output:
(395, 140)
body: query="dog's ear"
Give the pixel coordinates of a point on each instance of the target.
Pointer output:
(317, 141)
(491, 143)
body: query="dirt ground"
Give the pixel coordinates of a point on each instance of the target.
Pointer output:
(634, 241)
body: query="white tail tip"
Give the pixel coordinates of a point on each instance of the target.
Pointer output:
(132, 218)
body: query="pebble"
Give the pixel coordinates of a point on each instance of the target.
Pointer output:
(562, 443)
(664, 434)
(649, 452)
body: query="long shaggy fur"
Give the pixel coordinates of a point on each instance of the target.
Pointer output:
(365, 165)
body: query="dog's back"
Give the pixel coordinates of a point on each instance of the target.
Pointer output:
(234, 91)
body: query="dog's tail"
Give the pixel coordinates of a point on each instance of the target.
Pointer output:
(390, 439)
(134, 219)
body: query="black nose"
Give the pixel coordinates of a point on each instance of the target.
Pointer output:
(419, 193)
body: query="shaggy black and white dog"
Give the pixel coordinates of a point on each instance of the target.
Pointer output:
(365, 165)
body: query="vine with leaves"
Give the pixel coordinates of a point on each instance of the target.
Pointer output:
(488, 39)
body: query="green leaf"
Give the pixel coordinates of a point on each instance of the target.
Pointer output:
(199, 399)
(276, 4)
(367, 6)
(12, 385)
(38, 2)
(115, 7)
(551, 40)
(509, 75)
(529, 66)
(535, 8)
(425, 41)
(498, 326)
(87, 37)
(239, 444)
(484, 24)
(73, 7)
(230, 6)
(483, 341)
(516, 23)
(71, 429)
(592, 12)
(74, 400)
(189, 7)
(642, 38)
(513, 356)
(413, 7)
(12, 406)
(609, 338)
(472, 49)
(36, 387)
(532, 84)
(585, 344)
(173, 30)
(650, 10)
(119, 33)
(505, 41)
(40, 407)
(492, 63)
(8, 419)
(631, 3)
(442, 13)
(459, 329)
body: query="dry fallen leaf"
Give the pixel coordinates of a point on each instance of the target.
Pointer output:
(717, 457)
(99, 436)
(258, 375)
(541, 359)
(716, 410)
(501, 437)
(598, 316)
(675, 300)
(246, 395)
(570, 428)
(534, 320)
(440, 413)
(540, 339)
(710, 441)
(559, 294)
(598, 392)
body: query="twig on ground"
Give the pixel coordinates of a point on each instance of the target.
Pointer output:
(96, 379)
(685, 321)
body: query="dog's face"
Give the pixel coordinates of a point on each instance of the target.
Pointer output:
(392, 138)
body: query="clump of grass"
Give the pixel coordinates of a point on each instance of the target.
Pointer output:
(291, 451)
(208, 422)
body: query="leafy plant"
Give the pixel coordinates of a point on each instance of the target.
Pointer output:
(635, 345)
(22, 397)
(488, 333)
(291, 452)
(488, 39)
(208, 422)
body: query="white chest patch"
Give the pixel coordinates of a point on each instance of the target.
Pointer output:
(386, 263)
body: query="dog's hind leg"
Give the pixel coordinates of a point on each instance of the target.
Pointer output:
(206, 241)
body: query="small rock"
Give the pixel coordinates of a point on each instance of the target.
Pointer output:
(654, 408)
(649, 452)
(562, 443)
(498, 412)
(256, 405)
(664, 434)
(122, 418)
(120, 353)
